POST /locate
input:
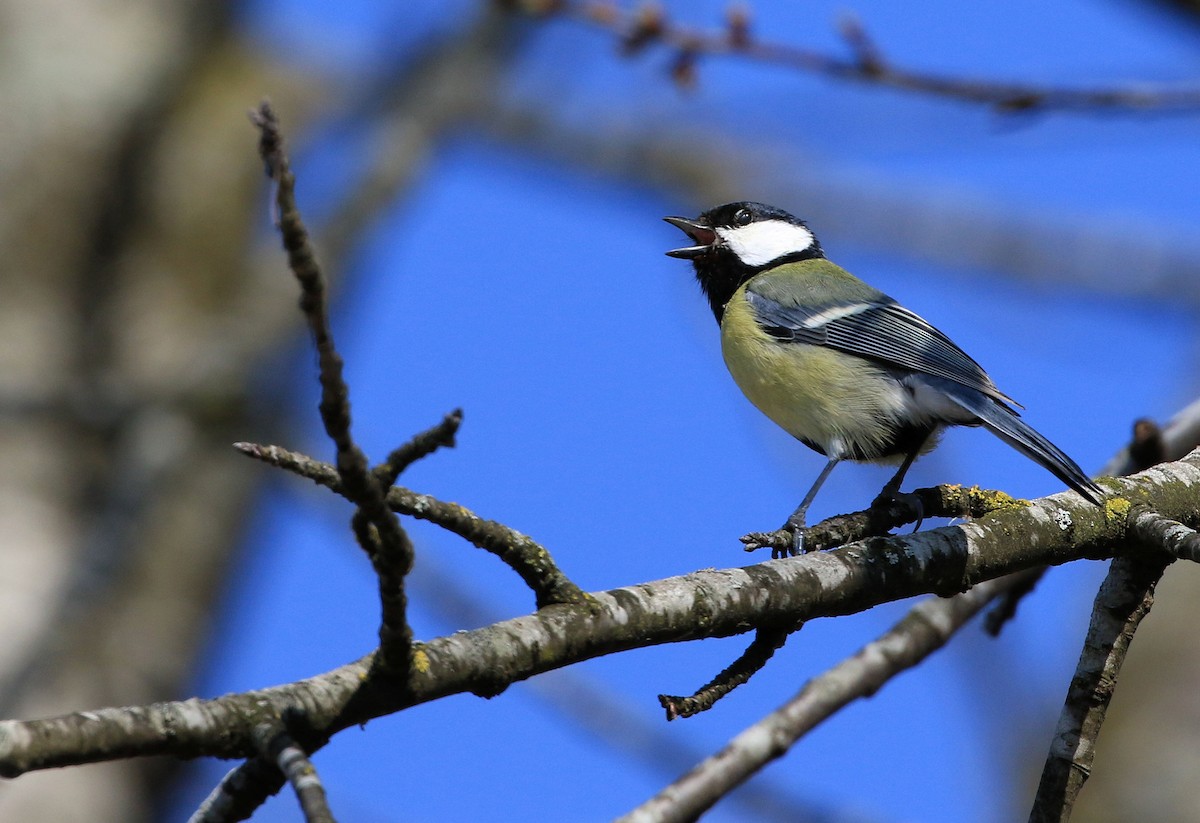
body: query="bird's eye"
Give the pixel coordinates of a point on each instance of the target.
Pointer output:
(742, 217)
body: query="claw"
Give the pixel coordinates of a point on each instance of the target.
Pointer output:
(910, 499)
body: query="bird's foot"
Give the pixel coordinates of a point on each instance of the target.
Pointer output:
(779, 542)
(798, 529)
(910, 499)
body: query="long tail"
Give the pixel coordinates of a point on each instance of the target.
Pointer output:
(1004, 423)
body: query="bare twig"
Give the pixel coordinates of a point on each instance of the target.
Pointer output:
(525, 556)
(451, 80)
(639, 29)
(766, 643)
(384, 541)
(418, 448)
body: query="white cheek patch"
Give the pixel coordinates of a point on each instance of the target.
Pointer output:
(764, 241)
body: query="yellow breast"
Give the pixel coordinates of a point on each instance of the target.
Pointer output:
(816, 394)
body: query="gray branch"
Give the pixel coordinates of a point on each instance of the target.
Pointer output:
(1050, 531)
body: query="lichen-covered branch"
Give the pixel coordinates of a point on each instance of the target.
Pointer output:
(485, 661)
(885, 514)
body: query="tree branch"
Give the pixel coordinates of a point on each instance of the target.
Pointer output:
(885, 514)
(525, 556)
(385, 542)
(240, 792)
(924, 630)
(1124, 599)
(276, 745)
(649, 26)
(766, 642)
(485, 661)
(418, 448)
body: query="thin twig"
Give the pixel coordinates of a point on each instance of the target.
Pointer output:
(523, 554)
(649, 25)
(419, 447)
(385, 542)
(766, 642)
(449, 81)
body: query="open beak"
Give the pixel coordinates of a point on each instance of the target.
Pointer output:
(701, 235)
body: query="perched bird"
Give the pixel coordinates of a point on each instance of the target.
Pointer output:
(838, 364)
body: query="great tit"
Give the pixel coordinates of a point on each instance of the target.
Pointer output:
(838, 364)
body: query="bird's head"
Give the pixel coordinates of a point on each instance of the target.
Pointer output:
(734, 242)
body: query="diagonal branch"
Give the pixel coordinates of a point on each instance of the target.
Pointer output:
(924, 630)
(240, 792)
(276, 745)
(1125, 597)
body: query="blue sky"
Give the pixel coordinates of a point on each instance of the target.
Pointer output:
(599, 419)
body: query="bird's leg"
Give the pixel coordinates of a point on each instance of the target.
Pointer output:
(891, 489)
(796, 524)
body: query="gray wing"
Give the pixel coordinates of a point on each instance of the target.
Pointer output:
(881, 330)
